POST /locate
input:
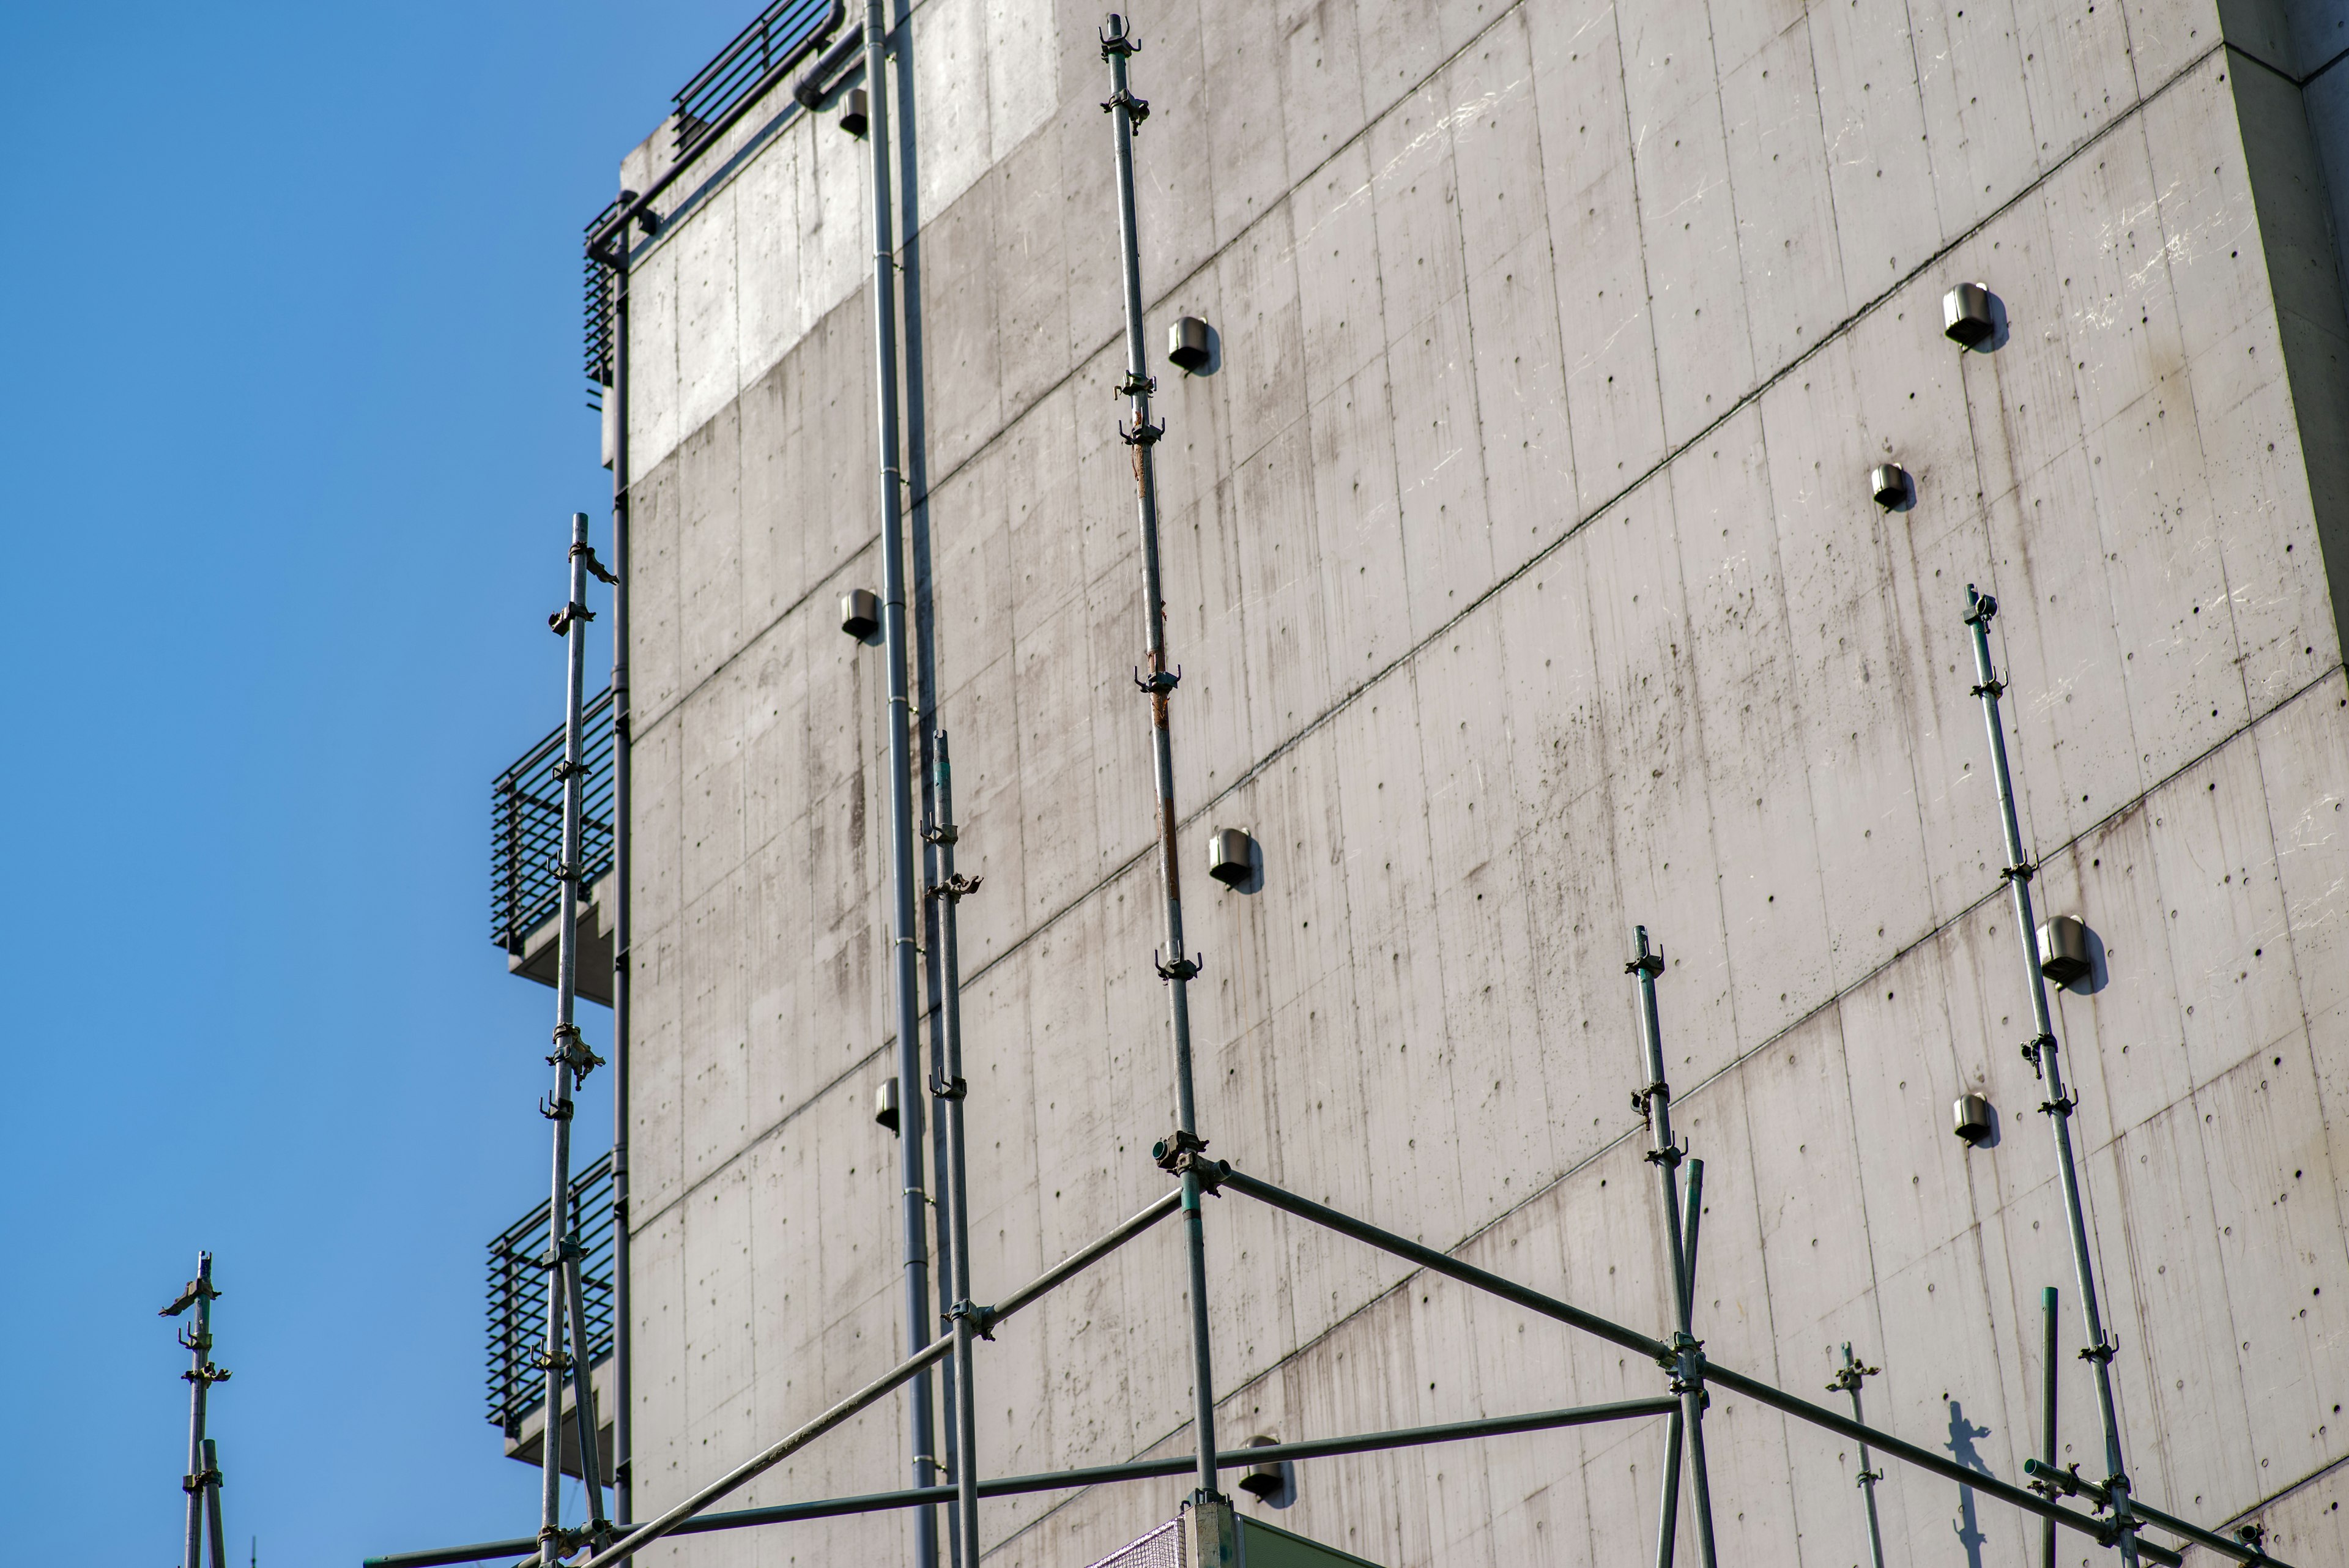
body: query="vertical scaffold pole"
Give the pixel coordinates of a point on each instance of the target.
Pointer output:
(212, 1484)
(950, 1090)
(1180, 1152)
(1847, 1380)
(906, 961)
(1655, 1102)
(201, 1483)
(2046, 1057)
(623, 1511)
(571, 1062)
(2048, 1385)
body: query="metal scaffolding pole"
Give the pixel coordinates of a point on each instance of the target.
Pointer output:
(2048, 1385)
(1655, 1102)
(201, 1483)
(619, 897)
(950, 1089)
(2046, 1057)
(1179, 1153)
(1846, 1381)
(571, 1062)
(904, 966)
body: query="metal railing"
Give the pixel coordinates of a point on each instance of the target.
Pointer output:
(771, 41)
(517, 1296)
(526, 829)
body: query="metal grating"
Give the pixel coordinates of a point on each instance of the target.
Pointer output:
(598, 296)
(1161, 1548)
(517, 1296)
(770, 43)
(526, 829)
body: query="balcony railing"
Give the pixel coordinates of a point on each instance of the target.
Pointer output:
(517, 1296)
(526, 829)
(773, 41)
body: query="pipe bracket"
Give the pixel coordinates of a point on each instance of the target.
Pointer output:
(1180, 968)
(560, 621)
(1143, 434)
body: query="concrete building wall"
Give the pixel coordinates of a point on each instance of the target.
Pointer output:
(1525, 585)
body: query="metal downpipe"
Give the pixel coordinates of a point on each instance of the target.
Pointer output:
(2046, 1055)
(623, 1511)
(1177, 969)
(904, 965)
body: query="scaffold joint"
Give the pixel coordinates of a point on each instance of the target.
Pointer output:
(2058, 1107)
(595, 569)
(948, 1088)
(1137, 109)
(1980, 608)
(560, 621)
(982, 1319)
(955, 888)
(1143, 434)
(1180, 968)
(1157, 680)
(2031, 1050)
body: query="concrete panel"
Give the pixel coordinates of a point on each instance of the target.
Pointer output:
(1789, 264)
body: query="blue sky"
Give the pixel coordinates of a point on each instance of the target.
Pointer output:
(293, 422)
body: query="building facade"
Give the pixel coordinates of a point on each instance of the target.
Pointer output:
(1527, 586)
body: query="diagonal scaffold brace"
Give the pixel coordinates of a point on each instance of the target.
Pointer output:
(572, 1061)
(202, 1481)
(1686, 1358)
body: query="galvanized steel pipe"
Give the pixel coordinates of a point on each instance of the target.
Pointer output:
(2047, 1056)
(1177, 968)
(904, 966)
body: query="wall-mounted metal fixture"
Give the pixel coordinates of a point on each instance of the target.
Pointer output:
(1888, 482)
(860, 613)
(2063, 950)
(1273, 1482)
(1188, 344)
(1231, 856)
(1972, 1114)
(854, 115)
(1966, 320)
(885, 1103)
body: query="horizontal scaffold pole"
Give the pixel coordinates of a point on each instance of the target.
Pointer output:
(1763, 1393)
(1097, 1475)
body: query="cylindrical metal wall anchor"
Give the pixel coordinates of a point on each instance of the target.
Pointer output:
(2063, 950)
(1187, 345)
(1965, 315)
(1888, 484)
(860, 613)
(1231, 856)
(1971, 1116)
(885, 1103)
(855, 116)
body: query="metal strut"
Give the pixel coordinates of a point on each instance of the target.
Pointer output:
(1118, 46)
(905, 902)
(1847, 1380)
(202, 1481)
(2047, 1056)
(964, 1317)
(572, 1061)
(1684, 1357)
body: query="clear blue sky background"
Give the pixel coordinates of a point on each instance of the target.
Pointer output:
(293, 422)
